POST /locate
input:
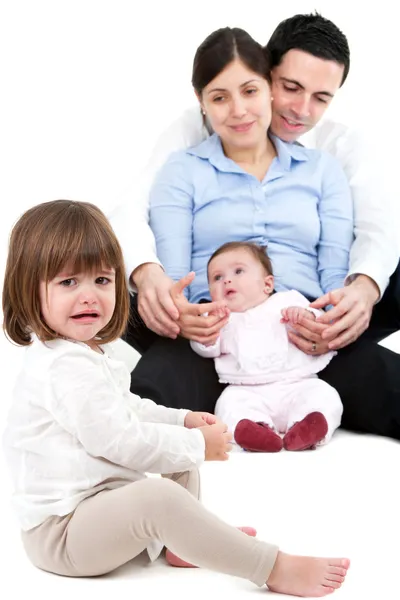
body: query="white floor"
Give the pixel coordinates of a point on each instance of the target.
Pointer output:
(341, 500)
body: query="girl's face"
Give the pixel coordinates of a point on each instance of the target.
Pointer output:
(237, 103)
(78, 305)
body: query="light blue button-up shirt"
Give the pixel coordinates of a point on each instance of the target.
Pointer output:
(302, 211)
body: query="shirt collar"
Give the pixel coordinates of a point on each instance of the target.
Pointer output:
(211, 149)
(289, 151)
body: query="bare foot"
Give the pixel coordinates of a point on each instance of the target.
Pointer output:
(175, 561)
(307, 576)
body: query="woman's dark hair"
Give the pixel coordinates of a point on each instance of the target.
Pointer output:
(313, 34)
(220, 48)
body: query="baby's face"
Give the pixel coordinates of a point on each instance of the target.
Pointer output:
(239, 279)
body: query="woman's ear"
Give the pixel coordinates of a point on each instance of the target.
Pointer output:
(269, 284)
(198, 96)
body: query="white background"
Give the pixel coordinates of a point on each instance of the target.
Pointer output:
(86, 86)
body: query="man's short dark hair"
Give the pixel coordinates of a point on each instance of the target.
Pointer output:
(313, 34)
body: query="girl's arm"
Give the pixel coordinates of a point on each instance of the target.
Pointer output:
(87, 404)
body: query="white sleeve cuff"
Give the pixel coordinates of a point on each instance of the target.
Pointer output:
(374, 272)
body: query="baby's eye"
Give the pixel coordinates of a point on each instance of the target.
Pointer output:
(239, 270)
(217, 277)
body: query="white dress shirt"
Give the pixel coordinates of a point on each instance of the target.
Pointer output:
(375, 250)
(74, 429)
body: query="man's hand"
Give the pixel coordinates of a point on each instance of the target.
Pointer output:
(351, 312)
(307, 336)
(194, 326)
(200, 419)
(155, 304)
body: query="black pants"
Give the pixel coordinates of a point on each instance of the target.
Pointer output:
(366, 375)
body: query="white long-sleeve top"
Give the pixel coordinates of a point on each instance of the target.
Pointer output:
(375, 251)
(74, 429)
(253, 348)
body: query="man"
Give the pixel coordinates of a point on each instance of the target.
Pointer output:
(310, 60)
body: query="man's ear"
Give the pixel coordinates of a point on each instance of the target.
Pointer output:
(269, 284)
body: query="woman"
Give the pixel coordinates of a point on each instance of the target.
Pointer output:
(243, 184)
(365, 374)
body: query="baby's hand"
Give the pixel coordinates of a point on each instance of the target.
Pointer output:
(217, 440)
(200, 419)
(295, 314)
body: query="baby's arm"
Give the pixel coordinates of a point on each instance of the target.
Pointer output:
(298, 309)
(295, 314)
(212, 351)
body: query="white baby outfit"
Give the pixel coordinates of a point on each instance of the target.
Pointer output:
(271, 380)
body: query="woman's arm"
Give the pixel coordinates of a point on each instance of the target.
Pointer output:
(171, 214)
(336, 237)
(171, 219)
(335, 210)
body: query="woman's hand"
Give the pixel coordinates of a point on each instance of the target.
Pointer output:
(351, 312)
(155, 304)
(193, 325)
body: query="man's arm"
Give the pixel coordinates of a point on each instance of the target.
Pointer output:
(375, 250)
(130, 220)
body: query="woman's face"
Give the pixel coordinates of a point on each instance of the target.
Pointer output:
(237, 103)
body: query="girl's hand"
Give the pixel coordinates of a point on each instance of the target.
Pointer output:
(200, 419)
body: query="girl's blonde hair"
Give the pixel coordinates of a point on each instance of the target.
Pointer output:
(45, 239)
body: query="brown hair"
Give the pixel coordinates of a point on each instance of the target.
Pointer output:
(220, 48)
(45, 239)
(259, 253)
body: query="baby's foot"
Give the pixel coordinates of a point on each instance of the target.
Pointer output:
(175, 561)
(257, 437)
(307, 576)
(306, 433)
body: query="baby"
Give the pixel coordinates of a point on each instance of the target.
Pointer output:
(273, 387)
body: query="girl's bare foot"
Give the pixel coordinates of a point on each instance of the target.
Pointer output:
(307, 576)
(175, 561)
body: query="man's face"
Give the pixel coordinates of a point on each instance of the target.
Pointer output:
(303, 86)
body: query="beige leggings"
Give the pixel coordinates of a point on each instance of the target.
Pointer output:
(112, 527)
